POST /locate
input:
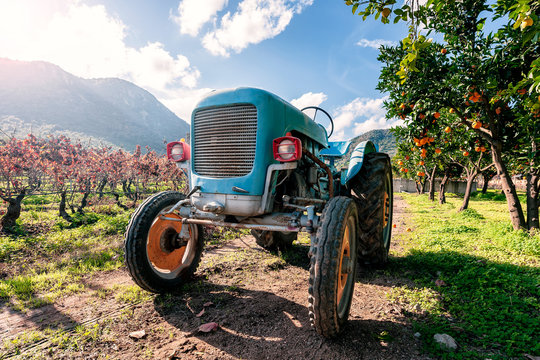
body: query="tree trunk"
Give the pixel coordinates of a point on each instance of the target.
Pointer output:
(432, 184)
(532, 201)
(84, 202)
(487, 177)
(62, 207)
(100, 187)
(117, 197)
(468, 190)
(442, 189)
(13, 212)
(514, 206)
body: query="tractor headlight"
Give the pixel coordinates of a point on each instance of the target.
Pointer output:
(178, 151)
(287, 148)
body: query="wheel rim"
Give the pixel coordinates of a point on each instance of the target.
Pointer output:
(387, 211)
(346, 266)
(166, 258)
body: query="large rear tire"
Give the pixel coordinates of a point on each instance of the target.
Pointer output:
(332, 273)
(372, 189)
(157, 259)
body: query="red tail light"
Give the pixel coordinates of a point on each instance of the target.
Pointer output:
(287, 148)
(178, 151)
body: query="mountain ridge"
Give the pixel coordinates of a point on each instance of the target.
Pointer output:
(42, 96)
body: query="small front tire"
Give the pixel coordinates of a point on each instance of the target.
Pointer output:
(157, 259)
(332, 273)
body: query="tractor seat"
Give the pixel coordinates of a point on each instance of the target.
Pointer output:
(336, 148)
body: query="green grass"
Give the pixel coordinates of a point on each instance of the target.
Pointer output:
(488, 290)
(48, 258)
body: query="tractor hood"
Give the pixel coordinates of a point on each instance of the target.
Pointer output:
(272, 111)
(231, 138)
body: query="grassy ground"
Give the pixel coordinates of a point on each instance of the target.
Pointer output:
(48, 256)
(467, 274)
(476, 279)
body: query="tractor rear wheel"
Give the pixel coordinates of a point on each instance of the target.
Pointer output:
(372, 189)
(333, 266)
(157, 258)
(274, 240)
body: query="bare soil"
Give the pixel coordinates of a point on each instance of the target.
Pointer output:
(258, 299)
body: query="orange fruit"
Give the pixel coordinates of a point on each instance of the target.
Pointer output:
(452, 110)
(498, 111)
(465, 153)
(386, 12)
(407, 157)
(438, 151)
(402, 106)
(447, 129)
(482, 149)
(421, 116)
(522, 91)
(443, 51)
(477, 149)
(476, 125)
(437, 115)
(400, 162)
(421, 163)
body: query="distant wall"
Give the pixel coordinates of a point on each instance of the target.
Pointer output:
(454, 187)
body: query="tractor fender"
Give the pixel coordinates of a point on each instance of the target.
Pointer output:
(357, 159)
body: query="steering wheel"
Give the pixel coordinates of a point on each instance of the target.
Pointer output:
(324, 111)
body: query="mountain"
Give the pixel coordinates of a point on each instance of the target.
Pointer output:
(41, 97)
(383, 138)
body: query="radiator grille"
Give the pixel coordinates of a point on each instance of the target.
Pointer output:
(224, 141)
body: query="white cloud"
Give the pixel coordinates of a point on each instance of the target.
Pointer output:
(309, 99)
(89, 42)
(193, 14)
(253, 22)
(359, 116)
(183, 101)
(377, 43)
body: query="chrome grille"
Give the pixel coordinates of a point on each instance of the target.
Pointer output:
(224, 141)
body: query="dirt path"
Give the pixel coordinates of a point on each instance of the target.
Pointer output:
(258, 299)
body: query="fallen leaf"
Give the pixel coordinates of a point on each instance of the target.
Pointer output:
(208, 327)
(206, 304)
(137, 334)
(200, 314)
(440, 282)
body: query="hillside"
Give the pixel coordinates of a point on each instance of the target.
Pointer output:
(42, 98)
(383, 138)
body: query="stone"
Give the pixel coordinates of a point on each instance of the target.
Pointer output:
(417, 334)
(137, 334)
(445, 341)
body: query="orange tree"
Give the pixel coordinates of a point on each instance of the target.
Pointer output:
(487, 77)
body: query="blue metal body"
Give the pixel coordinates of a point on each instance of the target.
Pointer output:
(276, 117)
(357, 159)
(336, 148)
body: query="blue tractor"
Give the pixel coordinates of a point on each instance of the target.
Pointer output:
(257, 162)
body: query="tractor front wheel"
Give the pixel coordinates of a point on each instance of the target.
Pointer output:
(333, 266)
(157, 257)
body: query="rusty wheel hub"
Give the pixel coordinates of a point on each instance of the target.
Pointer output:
(165, 251)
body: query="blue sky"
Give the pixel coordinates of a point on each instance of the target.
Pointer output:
(310, 52)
